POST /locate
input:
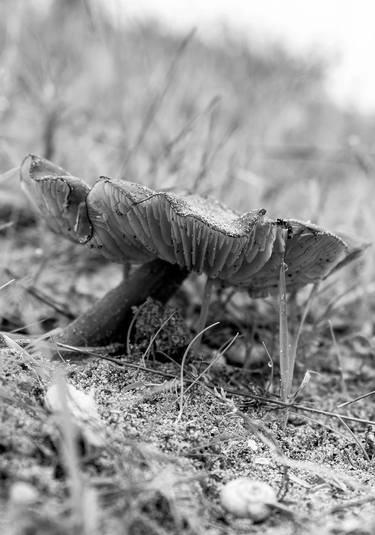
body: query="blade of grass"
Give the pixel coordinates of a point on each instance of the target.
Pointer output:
(286, 355)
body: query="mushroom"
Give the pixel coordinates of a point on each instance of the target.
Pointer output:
(172, 234)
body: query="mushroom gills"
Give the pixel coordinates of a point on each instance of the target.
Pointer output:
(176, 239)
(254, 258)
(155, 229)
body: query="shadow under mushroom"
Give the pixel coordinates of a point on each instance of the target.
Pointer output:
(172, 234)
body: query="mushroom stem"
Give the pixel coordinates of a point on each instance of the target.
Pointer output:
(107, 321)
(205, 306)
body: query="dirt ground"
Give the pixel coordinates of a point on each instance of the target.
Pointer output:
(136, 463)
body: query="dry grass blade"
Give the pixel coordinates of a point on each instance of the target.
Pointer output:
(270, 365)
(313, 293)
(353, 503)
(9, 175)
(7, 283)
(188, 127)
(219, 354)
(360, 446)
(131, 325)
(196, 337)
(298, 407)
(363, 396)
(336, 478)
(339, 359)
(286, 356)
(155, 105)
(153, 338)
(41, 296)
(6, 226)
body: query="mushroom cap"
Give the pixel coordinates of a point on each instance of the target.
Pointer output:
(203, 235)
(127, 221)
(311, 254)
(58, 196)
(198, 234)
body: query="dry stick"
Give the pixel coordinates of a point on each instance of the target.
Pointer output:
(152, 111)
(108, 318)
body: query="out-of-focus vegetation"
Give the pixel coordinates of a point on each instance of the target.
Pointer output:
(253, 127)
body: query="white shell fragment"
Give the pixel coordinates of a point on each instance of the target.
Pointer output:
(82, 409)
(127, 221)
(22, 493)
(248, 498)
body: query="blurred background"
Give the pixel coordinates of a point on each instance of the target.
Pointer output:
(262, 104)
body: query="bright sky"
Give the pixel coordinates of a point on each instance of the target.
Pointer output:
(342, 29)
